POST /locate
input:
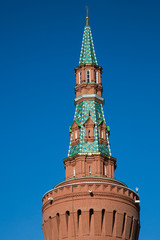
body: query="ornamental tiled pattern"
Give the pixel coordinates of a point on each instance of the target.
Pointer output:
(87, 54)
(84, 110)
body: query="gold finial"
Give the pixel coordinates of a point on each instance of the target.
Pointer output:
(87, 18)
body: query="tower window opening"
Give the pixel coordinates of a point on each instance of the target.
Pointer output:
(74, 172)
(67, 213)
(101, 133)
(78, 218)
(80, 75)
(124, 220)
(91, 212)
(131, 228)
(102, 221)
(58, 221)
(96, 76)
(89, 133)
(114, 217)
(75, 134)
(105, 170)
(88, 76)
(67, 218)
(89, 169)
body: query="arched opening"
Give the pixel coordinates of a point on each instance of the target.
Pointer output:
(102, 219)
(58, 222)
(67, 218)
(78, 219)
(114, 218)
(91, 212)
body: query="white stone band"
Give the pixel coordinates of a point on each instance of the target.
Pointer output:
(89, 96)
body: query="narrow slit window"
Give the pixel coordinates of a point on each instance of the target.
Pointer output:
(67, 218)
(91, 212)
(79, 218)
(101, 133)
(131, 229)
(74, 172)
(58, 222)
(89, 133)
(75, 135)
(88, 76)
(80, 74)
(102, 221)
(89, 169)
(96, 76)
(124, 220)
(105, 170)
(113, 223)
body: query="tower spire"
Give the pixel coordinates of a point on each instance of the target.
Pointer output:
(87, 18)
(87, 55)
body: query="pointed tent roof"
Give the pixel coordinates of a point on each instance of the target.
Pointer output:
(87, 55)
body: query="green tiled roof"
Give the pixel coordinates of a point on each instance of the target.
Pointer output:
(100, 122)
(79, 125)
(70, 130)
(85, 110)
(87, 55)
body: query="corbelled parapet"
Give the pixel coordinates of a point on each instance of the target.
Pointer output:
(92, 208)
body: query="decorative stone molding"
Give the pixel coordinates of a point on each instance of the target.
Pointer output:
(88, 96)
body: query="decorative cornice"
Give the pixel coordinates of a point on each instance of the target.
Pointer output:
(90, 65)
(88, 178)
(109, 191)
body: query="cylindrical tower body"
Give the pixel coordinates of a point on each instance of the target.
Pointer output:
(90, 208)
(90, 203)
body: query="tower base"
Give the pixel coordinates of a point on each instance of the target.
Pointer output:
(90, 208)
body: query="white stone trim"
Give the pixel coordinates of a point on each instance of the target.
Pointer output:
(89, 96)
(82, 183)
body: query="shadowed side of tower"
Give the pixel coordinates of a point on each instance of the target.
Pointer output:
(90, 203)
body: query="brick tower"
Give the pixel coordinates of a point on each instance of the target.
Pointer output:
(90, 203)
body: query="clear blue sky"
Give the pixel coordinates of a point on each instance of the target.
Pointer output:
(40, 45)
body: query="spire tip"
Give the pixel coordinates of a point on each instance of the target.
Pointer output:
(87, 18)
